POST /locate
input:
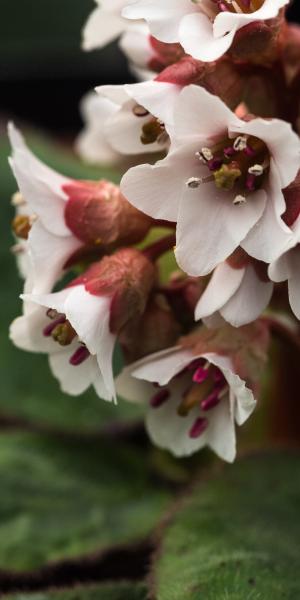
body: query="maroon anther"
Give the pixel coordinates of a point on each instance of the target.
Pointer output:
(250, 182)
(160, 398)
(229, 151)
(47, 331)
(249, 151)
(198, 428)
(79, 356)
(211, 401)
(214, 164)
(200, 375)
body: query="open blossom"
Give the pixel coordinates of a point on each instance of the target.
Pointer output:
(239, 291)
(193, 400)
(69, 216)
(145, 111)
(205, 28)
(221, 182)
(79, 325)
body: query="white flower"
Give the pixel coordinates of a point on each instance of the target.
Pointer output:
(137, 47)
(193, 401)
(287, 268)
(79, 322)
(222, 182)
(76, 366)
(104, 24)
(145, 111)
(50, 241)
(204, 28)
(238, 293)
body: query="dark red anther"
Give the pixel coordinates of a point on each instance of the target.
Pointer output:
(198, 428)
(47, 331)
(79, 356)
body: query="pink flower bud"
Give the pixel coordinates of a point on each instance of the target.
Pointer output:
(97, 213)
(257, 42)
(127, 277)
(164, 54)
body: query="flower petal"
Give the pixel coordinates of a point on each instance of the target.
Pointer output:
(210, 227)
(163, 18)
(73, 380)
(224, 282)
(249, 301)
(197, 38)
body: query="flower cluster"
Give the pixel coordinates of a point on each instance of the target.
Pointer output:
(208, 145)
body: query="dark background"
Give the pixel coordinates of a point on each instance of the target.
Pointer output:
(43, 72)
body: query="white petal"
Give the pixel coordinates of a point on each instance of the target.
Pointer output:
(73, 380)
(48, 254)
(163, 18)
(89, 315)
(270, 236)
(26, 332)
(197, 38)
(223, 284)
(39, 185)
(249, 301)
(161, 367)
(210, 227)
(156, 189)
(244, 403)
(226, 21)
(133, 389)
(102, 28)
(158, 97)
(135, 43)
(57, 301)
(294, 280)
(91, 144)
(199, 113)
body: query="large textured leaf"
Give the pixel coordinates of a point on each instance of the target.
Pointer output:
(110, 591)
(27, 388)
(61, 500)
(237, 537)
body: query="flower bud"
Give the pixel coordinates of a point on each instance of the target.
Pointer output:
(164, 54)
(127, 277)
(257, 42)
(97, 213)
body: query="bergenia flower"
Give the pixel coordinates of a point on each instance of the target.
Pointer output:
(205, 28)
(221, 182)
(91, 144)
(239, 291)
(104, 24)
(193, 400)
(69, 216)
(79, 325)
(145, 112)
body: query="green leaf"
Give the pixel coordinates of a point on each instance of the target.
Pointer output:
(237, 537)
(28, 390)
(64, 499)
(107, 591)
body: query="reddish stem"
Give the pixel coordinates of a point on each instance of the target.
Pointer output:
(155, 251)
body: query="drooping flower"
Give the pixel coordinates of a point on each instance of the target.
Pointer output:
(239, 291)
(79, 325)
(193, 399)
(205, 28)
(69, 216)
(221, 182)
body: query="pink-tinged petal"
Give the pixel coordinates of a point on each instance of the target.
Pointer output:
(89, 315)
(210, 227)
(101, 28)
(242, 400)
(162, 18)
(223, 284)
(115, 93)
(249, 301)
(226, 21)
(73, 380)
(157, 189)
(48, 254)
(157, 97)
(26, 332)
(91, 144)
(161, 367)
(280, 270)
(283, 143)
(39, 185)
(199, 113)
(197, 38)
(270, 236)
(132, 389)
